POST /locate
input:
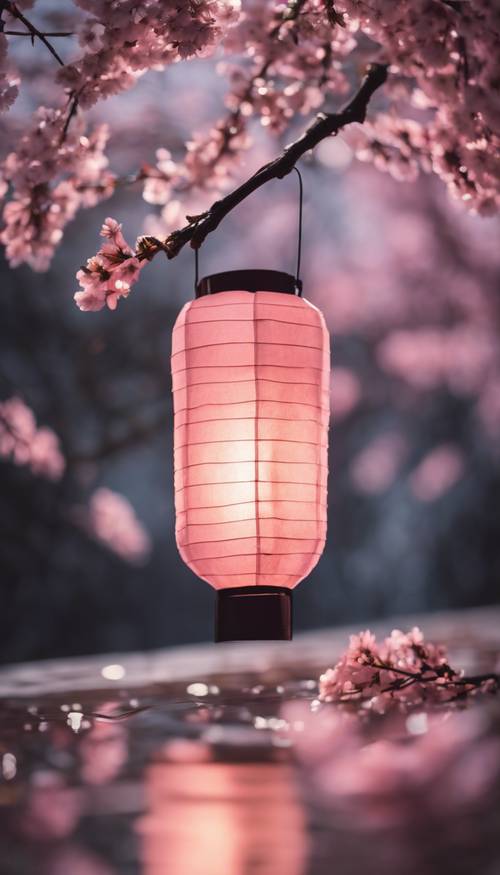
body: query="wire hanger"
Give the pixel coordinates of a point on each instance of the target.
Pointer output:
(298, 283)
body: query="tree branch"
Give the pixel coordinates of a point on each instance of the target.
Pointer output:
(33, 31)
(110, 446)
(42, 33)
(323, 126)
(71, 112)
(228, 127)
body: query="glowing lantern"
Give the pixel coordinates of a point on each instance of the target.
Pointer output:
(250, 370)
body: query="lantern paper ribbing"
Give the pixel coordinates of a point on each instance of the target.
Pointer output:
(251, 400)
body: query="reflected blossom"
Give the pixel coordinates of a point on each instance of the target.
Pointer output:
(103, 749)
(52, 810)
(452, 765)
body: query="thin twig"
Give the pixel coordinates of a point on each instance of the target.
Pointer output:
(229, 127)
(33, 31)
(44, 33)
(474, 681)
(333, 16)
(464, 59)
(72, 110)
(323, 126)
(423, 676)
(395, 669)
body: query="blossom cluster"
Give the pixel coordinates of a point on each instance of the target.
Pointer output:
(444, 114)
(409, 774)
(56, 167)
(9, 75)
(50, 176)
(22, 441)
(403, 671)
(441, 113)
(429, 310)
(9, 79)
(296, 62)
(445, 61)
(109, 517)
(376, 467)
(121, 41)
(109, 275)
(111, 520)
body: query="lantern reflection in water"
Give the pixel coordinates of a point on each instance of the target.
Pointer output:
(215, 818)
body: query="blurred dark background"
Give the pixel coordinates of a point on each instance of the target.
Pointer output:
(408, 283)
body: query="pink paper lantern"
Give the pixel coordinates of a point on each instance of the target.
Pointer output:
(251, 372)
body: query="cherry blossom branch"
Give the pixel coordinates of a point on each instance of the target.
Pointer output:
(110, 274)
(26, 443)
(403, 671)
(33, 31)
(303, 54)
(229, 127)
(333, 16)
(324, 125)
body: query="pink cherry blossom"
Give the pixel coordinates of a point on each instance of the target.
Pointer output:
(376, 466)
(50, 180)
(23, 442)
(441, 112)
(109, 275)
(427, 357)
(121, 44)
(438, 471)
(111, 519)
(9, 79)
(401, 672)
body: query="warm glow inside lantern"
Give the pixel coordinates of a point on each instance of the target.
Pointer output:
(250, 370)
